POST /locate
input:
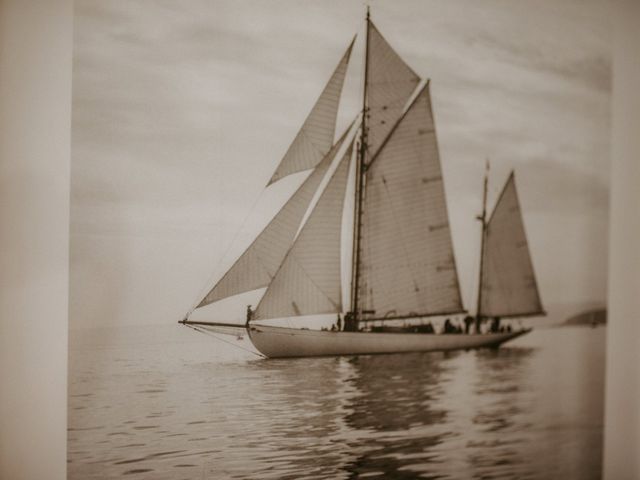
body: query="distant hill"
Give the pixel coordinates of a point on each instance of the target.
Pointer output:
(558, 313)
(590, 317)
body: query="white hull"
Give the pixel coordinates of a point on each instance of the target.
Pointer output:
(277, 342)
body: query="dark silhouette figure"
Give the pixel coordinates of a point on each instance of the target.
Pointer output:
(478, 323)
(448, 327)
(495, 325)
(249, 315)
(350, 324)
(468, 321)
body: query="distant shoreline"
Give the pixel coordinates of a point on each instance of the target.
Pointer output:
(591, 317)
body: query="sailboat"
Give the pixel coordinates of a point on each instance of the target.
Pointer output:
(403, 266)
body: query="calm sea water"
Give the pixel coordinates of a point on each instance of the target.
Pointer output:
(171, 403)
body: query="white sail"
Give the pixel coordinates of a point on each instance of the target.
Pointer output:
(407, 263)
(390, 83)
(258, 264)
(315, 137)
(508, 282)
(308, 281)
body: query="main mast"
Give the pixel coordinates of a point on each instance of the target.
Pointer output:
(483, 219)
(359, 193)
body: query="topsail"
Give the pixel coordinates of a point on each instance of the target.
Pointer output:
(390, 84)
(508, 282)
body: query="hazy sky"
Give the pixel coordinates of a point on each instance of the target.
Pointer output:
(182, 111)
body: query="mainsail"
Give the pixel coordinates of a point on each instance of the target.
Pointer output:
(407, 264)
(390, 83)
(508, 282)
(315, 137)
(258, 264)
(308, 281)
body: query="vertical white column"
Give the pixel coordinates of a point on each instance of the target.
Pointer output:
(622, 404)
(35, 119)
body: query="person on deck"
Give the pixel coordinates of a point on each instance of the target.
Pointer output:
(468, 321)
(478, 324)
(350, 324)
(448, 328)
(249, 314)
(495, 325)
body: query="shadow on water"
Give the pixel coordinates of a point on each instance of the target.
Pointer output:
(395, 392)
(366, 416)
(396, 404)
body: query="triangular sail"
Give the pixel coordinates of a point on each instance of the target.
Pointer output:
(258, 264)
(508, 282)
(315, 137)
(407, 262)
(308, 281)
(390, 83)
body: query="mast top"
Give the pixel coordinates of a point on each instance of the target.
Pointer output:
(368, 14)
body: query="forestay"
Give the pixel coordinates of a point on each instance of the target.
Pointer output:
(407, 263)
(315, 137)
(308, 281)
(258, 264)
(508, 282)
(390, 83)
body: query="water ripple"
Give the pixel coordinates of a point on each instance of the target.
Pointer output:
(496, 414)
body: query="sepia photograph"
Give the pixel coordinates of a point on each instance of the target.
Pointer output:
(339, 239)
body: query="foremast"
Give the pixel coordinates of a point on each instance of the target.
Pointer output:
(353, 316)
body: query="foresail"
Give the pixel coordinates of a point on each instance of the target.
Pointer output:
(315, 137)
(308, 281)
(259, 263)
(390, 83)
(407, 263)
(508, 281)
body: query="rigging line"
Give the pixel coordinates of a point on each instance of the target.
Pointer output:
(223, 340)
(207, 288)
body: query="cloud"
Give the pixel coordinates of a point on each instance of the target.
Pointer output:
(591, 68)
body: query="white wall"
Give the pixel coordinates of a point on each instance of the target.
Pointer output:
(622, 407)
(35, 110)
